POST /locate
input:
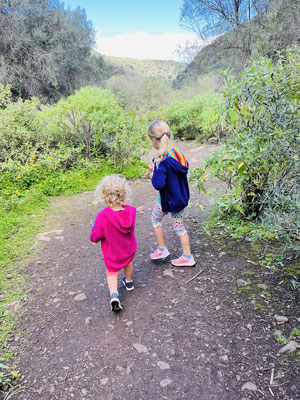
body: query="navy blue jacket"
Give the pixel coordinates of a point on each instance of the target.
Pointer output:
(170, 178)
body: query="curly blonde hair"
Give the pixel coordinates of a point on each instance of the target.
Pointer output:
(113, 189)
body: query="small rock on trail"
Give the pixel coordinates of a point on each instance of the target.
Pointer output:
(80, 297)
(163, 365)
(290, 347)
(140, 348)
(165, 382)
(249, 386)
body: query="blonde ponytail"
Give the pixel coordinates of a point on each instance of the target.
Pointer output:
(160, 130)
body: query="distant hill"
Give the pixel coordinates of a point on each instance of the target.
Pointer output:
(158, 68)
(280, 30)
(163, 68)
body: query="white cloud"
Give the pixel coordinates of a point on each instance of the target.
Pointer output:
(143, 45)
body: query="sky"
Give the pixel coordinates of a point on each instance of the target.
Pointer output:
(135, 28)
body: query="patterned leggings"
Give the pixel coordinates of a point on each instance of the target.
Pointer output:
(177, 218)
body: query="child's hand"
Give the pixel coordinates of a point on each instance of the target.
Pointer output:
(151, 176)
(151, 167)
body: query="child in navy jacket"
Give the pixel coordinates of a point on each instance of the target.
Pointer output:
(169, 176)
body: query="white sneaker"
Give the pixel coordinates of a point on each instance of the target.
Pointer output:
(115, 304)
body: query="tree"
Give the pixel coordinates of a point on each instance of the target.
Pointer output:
(189, 50)
(213, 17)
(209, 18)
(44, 48)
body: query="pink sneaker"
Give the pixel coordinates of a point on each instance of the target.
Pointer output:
(158, 254)
(183, 262)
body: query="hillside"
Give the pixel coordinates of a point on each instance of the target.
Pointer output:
(278, 31)
(162, 68)
(157, 68)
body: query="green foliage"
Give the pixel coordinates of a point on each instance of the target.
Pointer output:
(295, 333)
(147, 68)
(197, 118)
(267, 33)
(139, 93)
(91, 118)
(47, 147)
(45, 49)
(260, 161)
(295, 284)
(19, 132)
(5, 95)
(7, 374)
(148, 94)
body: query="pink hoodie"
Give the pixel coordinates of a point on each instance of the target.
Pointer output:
(115, 229)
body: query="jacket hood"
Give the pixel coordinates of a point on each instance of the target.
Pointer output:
(178, 168)
(123, 220)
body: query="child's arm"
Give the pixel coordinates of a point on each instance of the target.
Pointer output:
(159, 177)
(98, 232)
(151, 167)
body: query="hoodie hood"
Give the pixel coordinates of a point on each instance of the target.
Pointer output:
(175, 165)
(123, 221)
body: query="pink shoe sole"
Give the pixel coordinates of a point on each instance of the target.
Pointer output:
(184, 262)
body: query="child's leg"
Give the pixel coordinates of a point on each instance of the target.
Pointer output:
(128, 272)
(186, 260)
(185, 244)
(181, 232)
(112, 281)
(127, 281)
(160, 237)
(156, 218)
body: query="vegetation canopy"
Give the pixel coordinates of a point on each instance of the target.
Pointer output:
(45, 49)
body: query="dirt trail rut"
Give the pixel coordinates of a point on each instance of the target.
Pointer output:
(174, 340)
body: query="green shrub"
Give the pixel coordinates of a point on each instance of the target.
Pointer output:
(82, 131)
(197, 118)
(19, 131)
(91, 118)
(260, 160)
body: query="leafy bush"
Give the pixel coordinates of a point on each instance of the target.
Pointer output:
(91, 118)
(19, 131)
(79, 132)
(260, 160)
(197, 118)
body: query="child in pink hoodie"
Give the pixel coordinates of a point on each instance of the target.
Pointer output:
(114, 227)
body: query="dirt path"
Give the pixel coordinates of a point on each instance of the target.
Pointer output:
(174, 340)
